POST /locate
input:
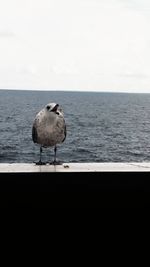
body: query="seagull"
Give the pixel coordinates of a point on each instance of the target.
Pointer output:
(49, 129)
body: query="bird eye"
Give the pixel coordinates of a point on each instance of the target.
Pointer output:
(48, 107)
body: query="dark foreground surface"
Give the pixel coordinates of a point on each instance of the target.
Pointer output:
(75, 190)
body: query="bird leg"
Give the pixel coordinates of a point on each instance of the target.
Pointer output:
(40, 161)
(55, 162)
(55, 149)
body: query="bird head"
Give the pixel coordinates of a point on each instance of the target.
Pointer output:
(52, 107)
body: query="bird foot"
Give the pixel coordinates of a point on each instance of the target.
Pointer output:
(55, 162)
(40, 163)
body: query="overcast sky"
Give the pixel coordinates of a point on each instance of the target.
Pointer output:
(91, 45)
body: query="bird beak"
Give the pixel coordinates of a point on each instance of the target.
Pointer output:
(55, 108)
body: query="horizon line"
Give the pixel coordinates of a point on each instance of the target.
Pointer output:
(71, 90)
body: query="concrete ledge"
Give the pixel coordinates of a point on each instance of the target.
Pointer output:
(75, 167)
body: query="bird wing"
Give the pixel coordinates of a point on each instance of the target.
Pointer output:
(65, 131)
(34, 134)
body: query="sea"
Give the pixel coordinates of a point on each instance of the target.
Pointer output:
(101, 127)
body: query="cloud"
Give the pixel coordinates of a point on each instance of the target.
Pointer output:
(7, 34)
(82, 43)
(133, 75)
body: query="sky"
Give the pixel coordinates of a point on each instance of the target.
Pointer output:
(85, 45)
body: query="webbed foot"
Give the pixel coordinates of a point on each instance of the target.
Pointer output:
(55, 162)
(40, 163)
